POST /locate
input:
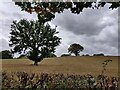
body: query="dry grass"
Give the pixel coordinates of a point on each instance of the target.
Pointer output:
(67, 65)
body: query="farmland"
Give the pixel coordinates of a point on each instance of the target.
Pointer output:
(67, 65)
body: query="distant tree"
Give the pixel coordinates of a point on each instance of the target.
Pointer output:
(63, 55)
(87, 55)
(35, 40)
(83, 55)
(6, 54)
(75, 48)
(101, 54)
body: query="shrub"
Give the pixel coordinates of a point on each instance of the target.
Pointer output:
(63, 55)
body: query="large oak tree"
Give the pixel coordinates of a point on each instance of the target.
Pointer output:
(35, 40)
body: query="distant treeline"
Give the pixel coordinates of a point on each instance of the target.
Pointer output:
(101, 54)
(6, 54)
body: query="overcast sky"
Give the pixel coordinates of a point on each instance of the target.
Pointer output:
(95, 29)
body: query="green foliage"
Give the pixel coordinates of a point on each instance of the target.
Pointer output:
(23, 80)
(75, 48)
(34, 39)
(46, 10)
(6, 54)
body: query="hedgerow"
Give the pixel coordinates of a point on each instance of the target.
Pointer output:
(41, 81)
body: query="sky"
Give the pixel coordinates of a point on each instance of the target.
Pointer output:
(95, 29)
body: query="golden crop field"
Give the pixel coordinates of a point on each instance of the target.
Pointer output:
(67, 65)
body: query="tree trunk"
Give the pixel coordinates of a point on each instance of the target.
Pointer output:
(36, 63)
(76, 53)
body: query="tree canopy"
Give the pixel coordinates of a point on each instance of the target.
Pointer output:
(46, 10)
(35, 40)
(75, 48)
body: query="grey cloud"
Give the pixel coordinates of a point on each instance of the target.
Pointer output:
(62, 49)
(87, 22)
(4, 44)
(10, 12)
(108, 36)
(91, 44)
(78, 24)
